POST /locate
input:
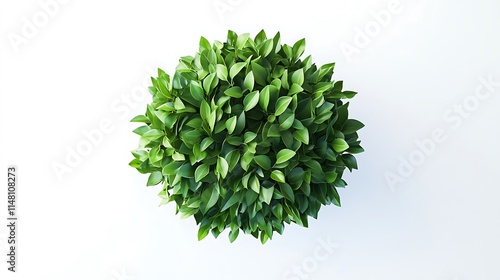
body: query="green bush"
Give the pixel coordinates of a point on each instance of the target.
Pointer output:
(247, 135)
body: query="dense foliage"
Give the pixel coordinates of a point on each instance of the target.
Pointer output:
(248, 136)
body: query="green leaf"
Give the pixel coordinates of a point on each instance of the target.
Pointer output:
(298, 77)
(233, 234)
(211, 120)
(221, 72)
(186, 171)
(210, 196)
(178, 104)
(302, 135)
(294, 89)
(286, 120)
(206, 143)
(251, 100)
(205, 110)
(171, 168)
(287, 192)
(210, 82)
(140, 118)
(330, 177)
(231, 124)
(154, 178)
(232, 159)
(241, 41)
(201, 172)
(249, 136)
(260, 73)
(249, 81)
(203, 232)
(339, 145)
(222, 167)
(351, 126)
(254, 184)
(264, 97)
(234, 92)
(235, 198)
(298, 48)
(235, 69)
(266, 48)
(196, 90)
(263, 161)
(284, 155)
(204, 44)
(281, 104)
(267, 194)
(278, 176)
(152, 134)
(240, 123)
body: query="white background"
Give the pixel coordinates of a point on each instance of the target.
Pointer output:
(86, 64)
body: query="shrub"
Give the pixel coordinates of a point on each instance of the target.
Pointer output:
(248, 136)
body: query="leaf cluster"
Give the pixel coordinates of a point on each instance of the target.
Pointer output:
(247, 135)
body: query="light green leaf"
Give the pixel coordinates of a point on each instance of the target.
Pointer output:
(235, 69)
(249, 136)
(201, 172)
(278, 176)
(221, 72)
(267, 194)
(264, 97)
(330, 176)
(241, 41)
(298, 77)
(211, 120)
(178, 104)
(140, 118)
(196, 90)
(205, 143)
(298, 48)
(233, 92)
(294, 89)
(254, 184)
(284, 155)
(251, 100)
(302, 135)
(152, 134)
(204, 44)
(222, 167)
(339, 145)
(205, 110)
(210, 196)
(154, 178)
(281, 104)
(249, 81)
(231, 124)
